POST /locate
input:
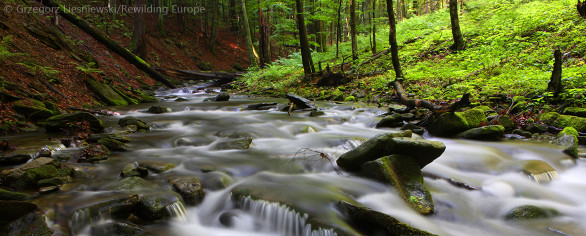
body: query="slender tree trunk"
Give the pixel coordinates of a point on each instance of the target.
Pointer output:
(139, 35)
(459, 43)
(252, 56)
(555, 83)
(264, 42)
(233, 16)
(353, 29)
(393, 41)
(305, 53)
(161, 20)
(338, 29)
(373, 22)
(214, 30)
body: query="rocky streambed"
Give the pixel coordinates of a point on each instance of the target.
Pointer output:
(200, 163)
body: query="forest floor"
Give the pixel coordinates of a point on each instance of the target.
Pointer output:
(43, 62)
(508, 59)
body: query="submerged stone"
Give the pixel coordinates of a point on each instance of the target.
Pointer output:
(377, 223)
(540, 171)
(189, 188)
(238, 143)
(158, 109)
(118, 228)
(404, 173)
(113, 145)
(421, 150)
(157, 166)
(490, 132)
(529, 212)
(131, 120)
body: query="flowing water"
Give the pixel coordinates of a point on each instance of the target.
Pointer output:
(290, 169)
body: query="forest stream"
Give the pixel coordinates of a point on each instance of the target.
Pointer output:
(291, 168)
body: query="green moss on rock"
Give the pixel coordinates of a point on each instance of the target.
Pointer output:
(63, 122)
(491, 132)
(529, 212)
(555, 119)
(33, 113)
(575, 111)
(106, 94)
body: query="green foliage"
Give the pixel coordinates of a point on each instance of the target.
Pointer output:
(89, 68)
(48, 72)
(5, 53)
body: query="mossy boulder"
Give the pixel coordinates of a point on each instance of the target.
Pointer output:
(15, 159)
(34, 113)
(63, 122)
(237, 143)
(568, 139)
(7, 195)
(113, 144)
(55, 181)
(539, 171)
(153, 206)
(404, 173)
(32, 223)
(421, 150)
(105, 93)
(94, 138)
(189, 187)
(575, 111)
(529, 212)
(156, 166)
(31, 178)
(506, 122)
(490, 132)
(520, 106)
(350, 99)
(448, 124)
(555, 119)
(158, 109)
(129, 184)
(131, 120)
(132, 170)
(53, 107)
(222, 97)
(392, 121)
(474, 117)
(377, 223)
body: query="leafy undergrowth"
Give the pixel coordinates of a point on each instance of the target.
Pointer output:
(510, 46)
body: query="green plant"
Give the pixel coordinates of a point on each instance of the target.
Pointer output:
(89, 68)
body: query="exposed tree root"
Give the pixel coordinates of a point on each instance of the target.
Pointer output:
(404, 99)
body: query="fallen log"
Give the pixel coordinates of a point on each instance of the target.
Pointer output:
(198, 75)
(109, 43)
(404, 99)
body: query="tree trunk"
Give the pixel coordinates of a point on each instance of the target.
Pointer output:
(234, 17)
(252, 56)
(214, 30)
(373, 22)
(161, 20)
(109, 43)
(393, 41)
(338, 29)
(353, 29)
(555, 83)
(264, 42)
(138, 44)
(459, 42)
(305, 53)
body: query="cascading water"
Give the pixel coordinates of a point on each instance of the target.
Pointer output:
(291, 165)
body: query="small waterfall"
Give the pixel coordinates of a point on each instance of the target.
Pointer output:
(84, 217)
(177, 210)
(275, 217)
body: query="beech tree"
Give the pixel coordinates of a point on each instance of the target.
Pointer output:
(304, 43)
(393, 41)
(459, 42)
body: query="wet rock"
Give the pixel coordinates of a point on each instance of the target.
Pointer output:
(131, 120)
(523, 133)
(7, 195)
(118, 228)
(105, 93)
(14, 159)
(31, 177)
(300, 102)
(423, 151)
(448, 124)
(189, 188)
(414, 128)
(376, 223)
(398, 108)
(94, 138)
(555, 119)
(261, 106)
(486, 110)
(62, 122)
(181, 100)
(55, 181)
(536, 128)
(575, 111)
(158, 110)
(222, 97)
(12, 175)
(29, 224)
(539, 171)
(133, 170)
(582, 140)
(474, 117)
(157, 166)
(506, 122)
(228, 219)
(113, 145)
(391, 121)
(94, 153)
(404, 173)
(192, 141)
(12, 210)
(568, 139)
(490, 132)
(316, 113)
(153, 206)
(238, 143)
(49, 189)
(233, 134)
(7, 97)
(529, 212)
(216, 180)
(33, 113)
